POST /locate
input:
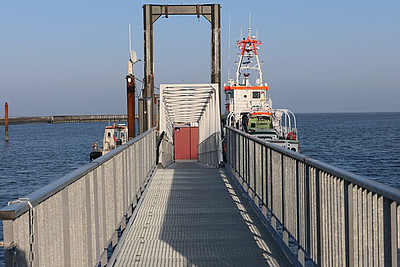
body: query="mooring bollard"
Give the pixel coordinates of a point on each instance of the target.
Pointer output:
(6, 120)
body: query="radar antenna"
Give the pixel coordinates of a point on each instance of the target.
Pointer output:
(229, 47)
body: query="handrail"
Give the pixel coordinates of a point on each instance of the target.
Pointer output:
(77, 218)
(13, 211)
(158, 144)
(209, 151)
(165, 151)
(332, 216)
(367, 183)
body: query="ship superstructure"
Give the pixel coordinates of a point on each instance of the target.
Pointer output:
(248, 105)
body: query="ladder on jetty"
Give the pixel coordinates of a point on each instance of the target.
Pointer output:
(262, 205)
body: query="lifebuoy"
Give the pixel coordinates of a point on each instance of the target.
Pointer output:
(291, 136)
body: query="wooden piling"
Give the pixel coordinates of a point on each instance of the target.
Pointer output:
(6, 120)
(130, 89)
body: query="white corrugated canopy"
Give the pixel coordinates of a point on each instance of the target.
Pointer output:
(193, 104)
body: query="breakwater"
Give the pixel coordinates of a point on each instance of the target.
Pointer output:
(64, 119)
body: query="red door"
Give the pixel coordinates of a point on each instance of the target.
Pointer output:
(194, 142)
(186, 140)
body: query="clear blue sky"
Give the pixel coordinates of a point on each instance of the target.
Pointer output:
(71, 57)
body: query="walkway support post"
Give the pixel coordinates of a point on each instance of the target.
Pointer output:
(216, 48)
(130, 91)
(150, 15)
(142, 115)
(149, 108)
(148, 90)
(6, 120)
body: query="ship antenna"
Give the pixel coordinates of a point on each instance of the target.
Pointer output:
(130, 40)
(132, 54)
(130, 63)
(249, 22)
(241, 33)
(229, 46)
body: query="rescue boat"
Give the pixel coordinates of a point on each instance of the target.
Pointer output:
(248, 104)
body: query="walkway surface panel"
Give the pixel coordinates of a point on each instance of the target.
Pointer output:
(194, 215)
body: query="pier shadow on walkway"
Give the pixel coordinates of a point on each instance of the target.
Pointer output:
(208, 221)
(194, 215)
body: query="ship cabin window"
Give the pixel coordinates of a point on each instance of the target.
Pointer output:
(245, 96)
(256, 95)
(116, 134)
(229, 95)
(109, 134)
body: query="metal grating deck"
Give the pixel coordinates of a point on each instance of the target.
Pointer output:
(194, 215)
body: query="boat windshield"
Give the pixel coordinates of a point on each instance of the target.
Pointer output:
(260, 123)
(264, 118)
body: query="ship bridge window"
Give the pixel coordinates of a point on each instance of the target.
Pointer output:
(256, 95)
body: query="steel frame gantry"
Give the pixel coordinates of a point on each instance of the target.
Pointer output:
(150, 15)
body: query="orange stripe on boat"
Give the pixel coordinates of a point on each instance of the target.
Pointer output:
(261, 113)
(246, 88)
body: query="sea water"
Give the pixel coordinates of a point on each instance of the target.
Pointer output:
(367, 144)
(37, 154)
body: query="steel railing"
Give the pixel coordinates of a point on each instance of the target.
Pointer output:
(324, 215)
(209, 151)
(74, 220)
(166, 156)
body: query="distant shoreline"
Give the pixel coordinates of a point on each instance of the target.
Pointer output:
(64, 119)
(106, 118)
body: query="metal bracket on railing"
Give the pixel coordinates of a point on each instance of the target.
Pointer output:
(21, 200)
(24, 200)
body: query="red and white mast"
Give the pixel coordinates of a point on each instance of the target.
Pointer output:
(248, 60)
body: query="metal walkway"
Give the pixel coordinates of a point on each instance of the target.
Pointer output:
(195, 215)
